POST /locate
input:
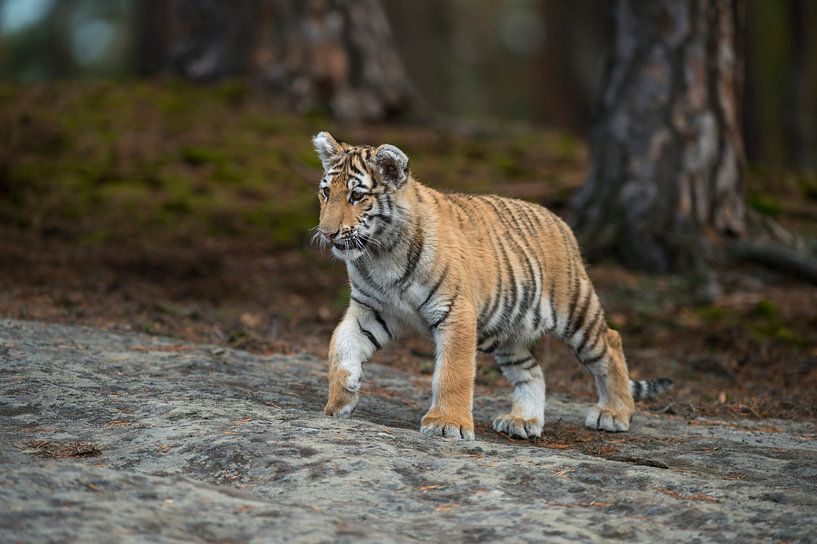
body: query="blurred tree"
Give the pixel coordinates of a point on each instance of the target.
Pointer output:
(800, 113)
(666, 149)
(336, 54)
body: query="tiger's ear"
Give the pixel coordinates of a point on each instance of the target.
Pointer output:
(327, 148)
(392, 165)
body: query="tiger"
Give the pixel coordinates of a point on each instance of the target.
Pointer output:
(473, 272)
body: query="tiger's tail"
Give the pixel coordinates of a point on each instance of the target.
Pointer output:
(645, 389)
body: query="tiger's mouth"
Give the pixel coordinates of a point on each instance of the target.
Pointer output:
(349, 244)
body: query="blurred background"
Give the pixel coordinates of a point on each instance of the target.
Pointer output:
(533, 60)
(156, 172)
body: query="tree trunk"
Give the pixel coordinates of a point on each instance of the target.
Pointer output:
(336, 54)
(799, 112)
(666, 151)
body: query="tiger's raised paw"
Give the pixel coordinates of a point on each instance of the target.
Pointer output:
(604, 419)
(439, 426)
(518, 426)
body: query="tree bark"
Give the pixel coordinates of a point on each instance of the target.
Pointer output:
(666, 150)
(334, 54)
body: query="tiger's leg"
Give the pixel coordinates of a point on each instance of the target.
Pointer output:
(452, 397)
(527, 415)
(599, 350)
(361, 332)
(605, 361)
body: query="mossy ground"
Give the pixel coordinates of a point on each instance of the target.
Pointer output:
(173, 163)
(185, 211)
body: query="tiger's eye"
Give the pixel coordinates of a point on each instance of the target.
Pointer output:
(325, 192)
(357, 196)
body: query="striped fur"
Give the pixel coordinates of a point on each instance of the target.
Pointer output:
(476, 273)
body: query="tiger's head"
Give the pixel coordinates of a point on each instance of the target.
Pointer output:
(359, 195)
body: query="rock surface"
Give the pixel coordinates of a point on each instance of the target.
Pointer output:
(107, 437)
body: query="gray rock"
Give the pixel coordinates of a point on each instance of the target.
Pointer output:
(106, 437)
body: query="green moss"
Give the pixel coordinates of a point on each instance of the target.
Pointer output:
(712, 314)
(232, 93)
(308, 156)
(765, 309)
(507, 165)
(237, 336)
(766, 205)
(200, 155)
(567, 146)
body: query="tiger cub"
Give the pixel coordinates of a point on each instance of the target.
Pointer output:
(476, 273)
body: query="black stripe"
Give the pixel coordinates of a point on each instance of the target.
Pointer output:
(367, 305)
(515, 362)
(595, 346)
(434, 288)
(367, 294)
(414, 252)
(581, 316)
(491, 348)
(368, 335)
(637, 389)
(530, 292)
(484, 319)
(356, 169)
(571, 307)
(376, 314)
(537, 314)
(446, 314)
(526, 214)
(456, 209)
(367, 278)
(596, 359)
(512, 281)
(532, 364)
(553, 304)
(382, 324)
(591, 330)
(571, 272)
(538, 287)
(418, 195)
(513, 213)
(385, 218)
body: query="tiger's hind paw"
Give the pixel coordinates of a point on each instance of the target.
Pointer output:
(517, 426)
(605, 419)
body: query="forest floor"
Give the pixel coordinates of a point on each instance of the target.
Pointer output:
(185, 212)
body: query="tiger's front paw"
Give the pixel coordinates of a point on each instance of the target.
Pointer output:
(341, 403)
(447, 426)
(607, 419)
(518, 426)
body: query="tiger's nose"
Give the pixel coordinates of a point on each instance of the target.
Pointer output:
(329, 235)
